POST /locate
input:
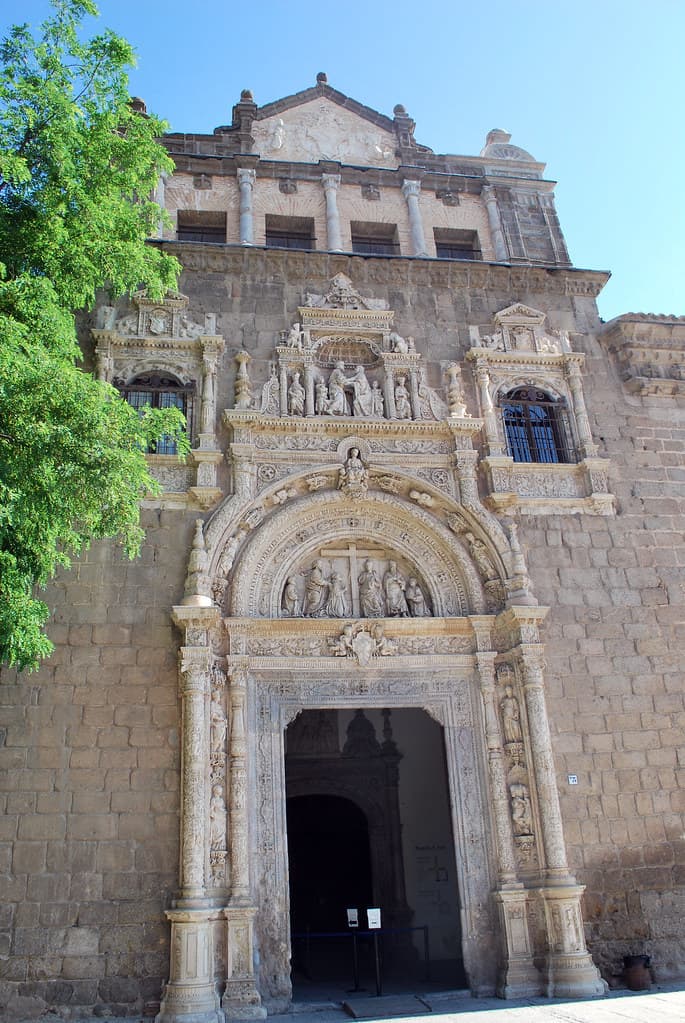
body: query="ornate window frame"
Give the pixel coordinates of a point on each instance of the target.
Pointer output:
(158, 337)
(521, 352)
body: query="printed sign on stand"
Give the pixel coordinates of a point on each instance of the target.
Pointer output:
(374, 917)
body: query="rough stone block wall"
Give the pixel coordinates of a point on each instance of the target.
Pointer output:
(89, 787)
(615, 649)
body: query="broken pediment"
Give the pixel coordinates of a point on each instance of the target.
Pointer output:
(321, 129)
(519, 328)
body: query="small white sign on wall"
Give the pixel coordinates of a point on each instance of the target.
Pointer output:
(374, 916)
(353, 918)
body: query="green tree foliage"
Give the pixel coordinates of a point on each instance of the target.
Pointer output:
(77, 167)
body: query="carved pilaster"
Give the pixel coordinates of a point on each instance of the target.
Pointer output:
(493, 443)
(241, 998)
(496, 766)
(518, 978)
(569, 970)
(194, 688)
(587, 446)
(190, 995)
(238, 842)
(466, 461)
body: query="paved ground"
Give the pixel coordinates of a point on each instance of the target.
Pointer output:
(663, 1004)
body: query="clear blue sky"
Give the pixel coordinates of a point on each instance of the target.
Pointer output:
(592, 87)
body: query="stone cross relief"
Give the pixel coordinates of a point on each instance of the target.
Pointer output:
(354, 581)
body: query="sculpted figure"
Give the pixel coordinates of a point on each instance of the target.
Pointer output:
(481, 557)
(370, 592)
(290, 601)
(511, 716)
(377, 401)
(416, 602)
(362, 402)
(342, 646)
(217, 818)
(384, 647)
(337, 399)
(321, 402)
(394, 586)
(337, 605)
(520, 810)
(295, 337)
(218, 724)
(316, 591)
(398, 343)
(296, 396)
(402, 403)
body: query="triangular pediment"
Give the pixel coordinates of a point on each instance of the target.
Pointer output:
(313, 126)
(519, 313)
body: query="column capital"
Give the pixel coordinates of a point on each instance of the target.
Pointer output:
(246, 175)
(330, 181)
(411, 188)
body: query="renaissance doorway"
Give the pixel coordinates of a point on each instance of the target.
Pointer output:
(368, 823)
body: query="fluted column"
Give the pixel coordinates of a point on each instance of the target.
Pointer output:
(489, 414)
(309, 388)
(331, 183)
(496, 230)
(240, 874)
(246, 180)
(414, 395)
(573, 375)
(411, 191)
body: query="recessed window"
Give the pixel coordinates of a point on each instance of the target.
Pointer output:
(201, 226)
(454, 244)
(289, 232)
(159, 392)
(536, 427)
(371, 239)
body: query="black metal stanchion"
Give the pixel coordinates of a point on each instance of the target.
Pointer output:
(379, 990)
(355, 962)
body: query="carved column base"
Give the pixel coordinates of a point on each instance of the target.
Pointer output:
(190, 996)
(569, 969)
(518, 976)
(241, 998)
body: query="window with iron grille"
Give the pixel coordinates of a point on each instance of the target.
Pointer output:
(537, 427)
(373, 239)
(454, 244)
(160, 392)
(289, 232)
(201, 226)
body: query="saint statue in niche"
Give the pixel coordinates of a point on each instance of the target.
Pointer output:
(316, 591)
(321, 401)
(520, 810)
(337, 399)
(218, 724)
(511, 716)
(371, 600)
(296, 396)
(377, 401)
(394, 587)
(402, 404)
(217, 818)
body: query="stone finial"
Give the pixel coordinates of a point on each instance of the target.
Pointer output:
(198, 584)
(399, 110)
(246, 96)
(322, 78)
(138, 105)
(243, 386)
(497, 135)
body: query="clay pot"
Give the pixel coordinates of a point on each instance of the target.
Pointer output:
(636, 973)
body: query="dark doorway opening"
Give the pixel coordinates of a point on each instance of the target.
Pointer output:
(369, 826)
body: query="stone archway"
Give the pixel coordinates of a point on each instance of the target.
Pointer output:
(460, 664)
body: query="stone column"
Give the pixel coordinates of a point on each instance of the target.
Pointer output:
(308, 388)
(190, 995)
(389, 392)
(466, 461)
(570, 971)
(489, 415)
(246, 180)
(241, 998)
(496, 230)
(211, 350)
(573, 375)
(331, 183)
(283, 389)
(411, 191)
(414, 395)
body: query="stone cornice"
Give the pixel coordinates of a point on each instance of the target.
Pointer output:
(649, 351)
(370, 271)
(327, 426)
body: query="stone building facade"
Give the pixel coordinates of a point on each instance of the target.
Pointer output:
(429, 537)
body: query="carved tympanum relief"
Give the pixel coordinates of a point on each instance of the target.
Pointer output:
(355, 581)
